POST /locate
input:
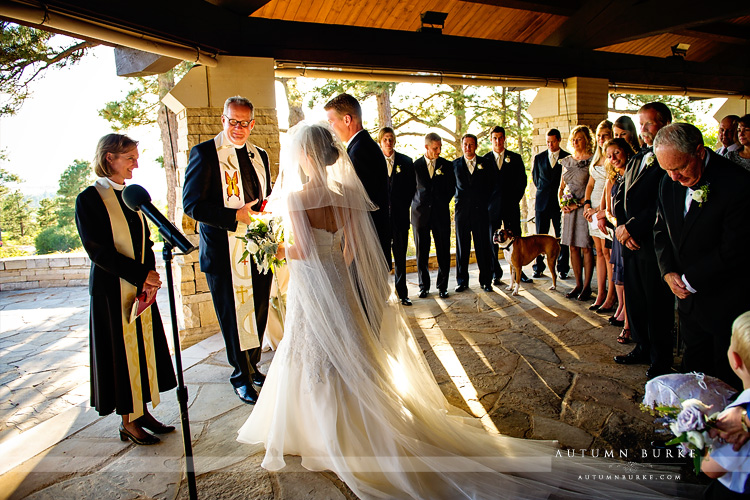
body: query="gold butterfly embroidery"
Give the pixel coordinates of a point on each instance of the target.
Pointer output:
(233, 188)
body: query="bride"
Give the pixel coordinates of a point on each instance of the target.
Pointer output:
(349, 389)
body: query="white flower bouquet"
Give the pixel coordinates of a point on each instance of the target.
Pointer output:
(262, 239)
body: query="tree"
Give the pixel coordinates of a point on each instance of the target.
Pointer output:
(25, 53)
(294, 100)
(73, 180)
(6, 177)
(142, 106)
(46, 214)
(15, 218)
(360, 90)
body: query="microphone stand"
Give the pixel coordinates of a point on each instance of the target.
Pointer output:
(182, 393)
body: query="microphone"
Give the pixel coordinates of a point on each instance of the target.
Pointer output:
(137, 198)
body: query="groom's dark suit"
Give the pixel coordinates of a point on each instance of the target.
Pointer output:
(547, 206)
(650, 301)
(369, 163)
(707, 246)
(402, 185)
(472, 218)
(430, 213)
(203, 200)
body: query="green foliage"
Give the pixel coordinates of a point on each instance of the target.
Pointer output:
(57, 239)
(8, 250)
(6, 177)
(683, 108)
(46, 214)
(15, 215)
(359, 89)
(73, 180)
(24, 55)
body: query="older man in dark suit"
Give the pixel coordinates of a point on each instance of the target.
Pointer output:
(430, 213)
(699, 237)
(226, 180)
(474, 183)
(546, 175)
(650, 304)
(402, 184)
(345, 116)
(505, 199)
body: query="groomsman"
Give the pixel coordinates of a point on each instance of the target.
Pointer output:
(230, 165)
(474, 184)
(546, 175)
(728, 134)
(345, 116)
(703, 201)
(650, 303)
(505, 199)
(430, 213)
(402, 184)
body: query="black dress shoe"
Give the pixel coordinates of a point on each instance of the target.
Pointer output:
(156, 427)
(488, 288)
(632, 358)
(423, 293)
(573, 293)
(247, 394)
(526, 279)
(443, 294)
(656, 370)
(585, 295)
(461, 288)
(258, 379)
(125, 435)
(405, 301)
(497, 282)
(563, 276)
(537, 275)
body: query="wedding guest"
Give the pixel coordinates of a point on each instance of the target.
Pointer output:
(546, 176)
(430, 214)
(475, 181)
(345, 116)
(402, 184)
(605, 296)
(575, 229)
(505, 199)
(618, 152)
(728, 135)
(728, 464)
(208, 177)
(625, 128)
(650, 304)
(130, 360)
(702, 202)
(741, 156)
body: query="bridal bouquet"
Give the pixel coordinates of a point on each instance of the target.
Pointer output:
(262, 239)
(568, 198)
(689, 423)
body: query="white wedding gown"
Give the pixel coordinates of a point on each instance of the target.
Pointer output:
(368, 408)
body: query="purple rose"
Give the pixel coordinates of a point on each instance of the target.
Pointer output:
(691, 418)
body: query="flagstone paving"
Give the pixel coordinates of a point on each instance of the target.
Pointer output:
(535, 366)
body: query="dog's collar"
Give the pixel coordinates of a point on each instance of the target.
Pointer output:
(513, 239)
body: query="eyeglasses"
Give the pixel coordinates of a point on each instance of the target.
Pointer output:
(234, 123)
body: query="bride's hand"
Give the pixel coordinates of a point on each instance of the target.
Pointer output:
(281, 252)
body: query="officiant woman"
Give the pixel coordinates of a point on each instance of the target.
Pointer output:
(130, 361)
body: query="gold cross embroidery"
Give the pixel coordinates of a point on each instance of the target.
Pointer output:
(241, 291)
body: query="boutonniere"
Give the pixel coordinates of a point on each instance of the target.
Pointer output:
(507, 159)
(398, 169)
(650, 159)
(700, 195)
(439, 171)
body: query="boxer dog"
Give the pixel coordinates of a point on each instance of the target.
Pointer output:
(520, 251)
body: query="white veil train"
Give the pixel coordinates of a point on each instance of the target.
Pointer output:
(349, 389)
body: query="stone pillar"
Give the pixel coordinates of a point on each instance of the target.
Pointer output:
(198, 101)
(583, 101)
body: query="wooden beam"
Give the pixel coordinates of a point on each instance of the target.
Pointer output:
(603, 23)
(736, 34)
(241, 7)
(557, 7)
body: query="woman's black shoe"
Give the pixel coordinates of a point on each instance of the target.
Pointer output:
(605, 310)
(125, 435)
(157, 427)
(573, 293)
(585, 294)
(595, 307)
(617, 322)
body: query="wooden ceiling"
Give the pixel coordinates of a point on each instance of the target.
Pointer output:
(625, 41)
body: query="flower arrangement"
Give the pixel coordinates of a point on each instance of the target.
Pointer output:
(262, 239)
(398, 169)
(650, 157)
(689, 424)
(701, 195)
(438, 171)
(568, 199)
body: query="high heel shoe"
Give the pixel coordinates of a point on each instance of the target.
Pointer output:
(126, 434)
(155, 426)
(595, 307)
(605, 310)
(573, 293)
(585, 294)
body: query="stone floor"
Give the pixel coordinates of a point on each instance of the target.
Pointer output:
(537, 366)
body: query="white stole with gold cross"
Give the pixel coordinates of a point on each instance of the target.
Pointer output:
(124, 245)
(234, 197)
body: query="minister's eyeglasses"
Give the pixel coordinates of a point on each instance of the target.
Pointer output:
(234, 123)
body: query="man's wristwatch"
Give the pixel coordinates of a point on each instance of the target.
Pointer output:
(743, 416)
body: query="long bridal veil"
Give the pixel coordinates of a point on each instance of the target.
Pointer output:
(349, 389)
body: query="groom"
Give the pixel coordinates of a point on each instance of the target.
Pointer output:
(226, 180)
